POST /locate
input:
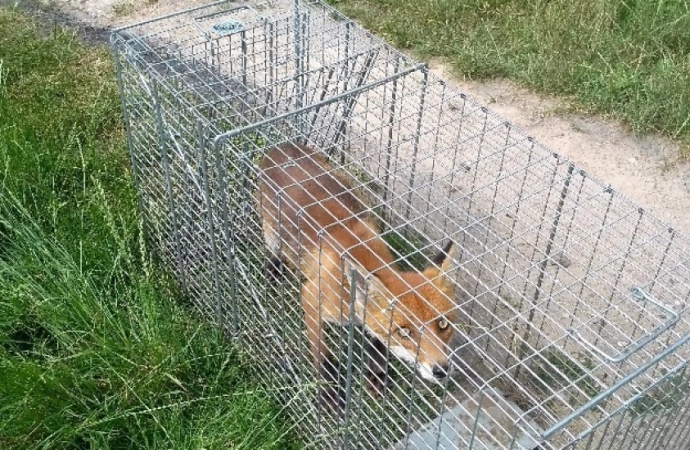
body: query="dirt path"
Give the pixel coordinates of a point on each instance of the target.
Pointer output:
(644, 168)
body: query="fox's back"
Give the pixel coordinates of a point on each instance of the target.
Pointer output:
(302, 194)
(314, 219)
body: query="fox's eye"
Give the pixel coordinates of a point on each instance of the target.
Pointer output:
(443, 324)
(405, 332)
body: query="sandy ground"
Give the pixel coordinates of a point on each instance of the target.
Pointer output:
(643, 168)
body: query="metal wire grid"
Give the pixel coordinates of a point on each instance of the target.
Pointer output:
(561, 282)
(573, 299)
(176, 71)
(274, 62)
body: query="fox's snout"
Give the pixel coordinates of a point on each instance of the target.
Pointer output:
(440, 371)
(430, 366)
(435, 372)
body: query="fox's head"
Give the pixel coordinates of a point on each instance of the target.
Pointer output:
(413, 313)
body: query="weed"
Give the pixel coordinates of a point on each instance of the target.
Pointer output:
(666, 396)
(406, 247)
(124, 8)
(562, 372)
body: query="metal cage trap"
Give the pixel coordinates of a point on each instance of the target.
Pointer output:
(573, 327)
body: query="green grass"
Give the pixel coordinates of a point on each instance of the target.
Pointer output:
(562, 372)
(406, 248)
(97, 350)
(671, 391)
(627, 59)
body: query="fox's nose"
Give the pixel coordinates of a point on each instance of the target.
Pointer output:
(440, 371)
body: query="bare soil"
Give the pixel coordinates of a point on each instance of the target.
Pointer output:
(647, 169)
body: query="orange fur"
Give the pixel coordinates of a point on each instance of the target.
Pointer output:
(315, 221)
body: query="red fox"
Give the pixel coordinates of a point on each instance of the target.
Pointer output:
(315, 221)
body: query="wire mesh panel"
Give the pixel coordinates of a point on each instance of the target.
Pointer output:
(300, 178)
(217, 67)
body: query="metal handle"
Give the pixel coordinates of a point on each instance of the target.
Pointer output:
(229, 26)
(641, 296)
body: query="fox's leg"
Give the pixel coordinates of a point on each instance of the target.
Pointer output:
(325, 366)
(274, 265)
(377, 369)
(315, 331)
(274, 269)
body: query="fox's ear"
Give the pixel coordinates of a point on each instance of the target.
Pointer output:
(443, 257)
(444, 262)
(367, 291)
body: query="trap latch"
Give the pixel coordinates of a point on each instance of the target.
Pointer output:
(226, 22)
(639, 295)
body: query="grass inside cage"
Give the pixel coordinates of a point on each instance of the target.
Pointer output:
(570, 374)
(662, 398)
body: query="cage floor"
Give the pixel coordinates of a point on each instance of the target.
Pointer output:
(471, 421)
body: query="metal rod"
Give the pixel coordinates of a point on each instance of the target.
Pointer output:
(350, 102)
(678, 393)
(163, 147)
(596, 400)
(389, 145)
(243, 44)
(130, 145)
(476, 418)
(417, 136)
(542, 266)
(299, 62)
(350, 343)
(328, 101)
(211, 228)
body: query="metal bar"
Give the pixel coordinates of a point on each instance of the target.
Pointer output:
(685, 437)
(130, 144)
(324, 91)
(476, 418)
(243, 44)
(679, 419)
(596, 400)
(542, 265)
(162, 143)
(228, 232)
(608, 424)
(271, 67)
(211, 228)
(509, 240)
(389, 145)
(417, 136)
(638, 294)
(350, 344)
(328, 101)
(607, 190)
(440, 413)
(350, 102)
(299, 61)
(346, 78)
(492, 216)
(326, 83)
